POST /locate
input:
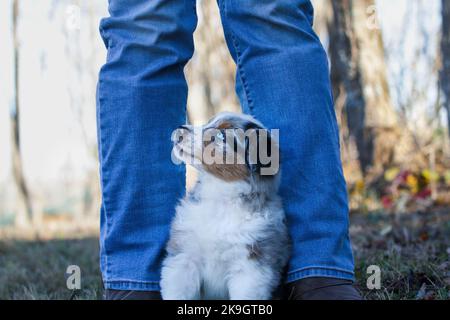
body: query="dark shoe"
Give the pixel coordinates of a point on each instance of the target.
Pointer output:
(111, 294)
(322, 289)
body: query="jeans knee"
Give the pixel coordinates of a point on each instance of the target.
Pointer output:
(144, 37)
(272, 23)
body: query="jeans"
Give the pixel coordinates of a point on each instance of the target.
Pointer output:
(282, 80)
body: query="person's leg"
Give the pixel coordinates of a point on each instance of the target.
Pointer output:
(283, 80)
(141, 98)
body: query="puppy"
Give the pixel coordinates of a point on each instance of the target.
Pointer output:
(229, 238)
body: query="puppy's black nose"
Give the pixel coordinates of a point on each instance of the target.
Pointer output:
(181, 132)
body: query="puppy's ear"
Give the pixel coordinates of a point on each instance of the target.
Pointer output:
(253, 150)
(251, 165)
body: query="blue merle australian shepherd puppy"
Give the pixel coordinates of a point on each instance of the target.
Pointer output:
(229, 238)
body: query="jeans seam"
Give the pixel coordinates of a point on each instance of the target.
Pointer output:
(123, 284)
(108, 222)
(315, 271)
(323, 268)
(131, 281)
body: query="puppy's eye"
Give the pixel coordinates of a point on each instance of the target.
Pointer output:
(219, 135)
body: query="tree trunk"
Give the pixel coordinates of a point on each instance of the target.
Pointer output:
(24, 211)
(444, 77)
(360, 82)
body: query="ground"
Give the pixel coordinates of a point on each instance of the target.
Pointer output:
(412, 251)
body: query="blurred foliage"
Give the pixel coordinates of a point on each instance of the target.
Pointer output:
(401, 191)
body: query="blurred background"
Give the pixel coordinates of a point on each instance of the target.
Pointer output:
(390, 70)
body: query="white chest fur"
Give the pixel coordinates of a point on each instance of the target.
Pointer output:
(221, 247)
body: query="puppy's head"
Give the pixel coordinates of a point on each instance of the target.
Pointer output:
(231, 147)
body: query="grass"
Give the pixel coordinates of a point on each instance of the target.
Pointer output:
(36, 270)
(412, 251)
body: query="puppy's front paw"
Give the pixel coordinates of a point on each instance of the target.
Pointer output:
(180, 279)
(252, 283)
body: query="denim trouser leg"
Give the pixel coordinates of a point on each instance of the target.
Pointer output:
(141, 98)
(283, 80)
